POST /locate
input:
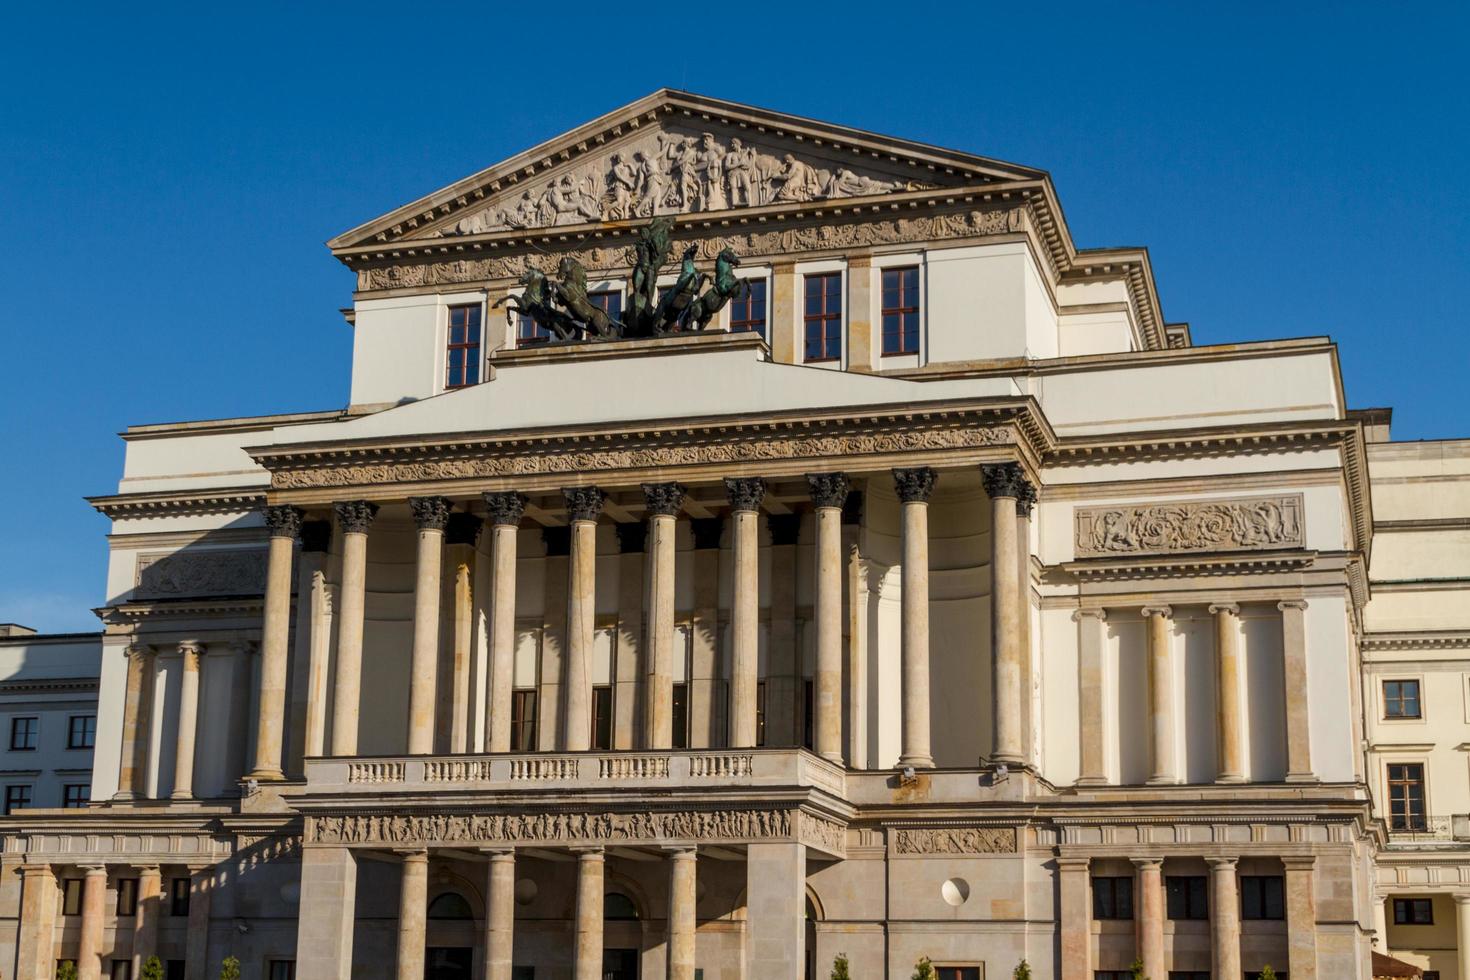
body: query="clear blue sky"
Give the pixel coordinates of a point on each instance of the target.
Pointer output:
(167, 179)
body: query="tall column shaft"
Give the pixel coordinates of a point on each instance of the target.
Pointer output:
(1230, 722)
(413, 898)
(584, 506)
(784, 669)
(632, 652)
(505, 511)
(1004, 482)
(431, 514)
(1224, 918)
(1091, 705)
(147, 914)
(36, 941)
(829, 493)
(587, 954)
(1301, 917)
(1294, 671)
(1462, 935)
(500, 915)
(1149, 912)
(325, 925)
(915, 486)
(461, 536)
(284, 523)
(1076, 918)
(310, 646)
(355, 517)
(188, 722)
(89, 949)
(196, 948)
(1161, 720)
(131, 777)
(664, 501)
(745, 497)
(682, 895)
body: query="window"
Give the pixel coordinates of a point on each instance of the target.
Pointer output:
(178, 897)
(523, 973)
(602, 717)
(23, 734)
(127, 897)
(1413, 912)
(523, 721)
(616, 905)
(1406, 796)
(748, 308)
(609, 301)
(173, 970)
(16, 797)
(824, 317)
(1186, 897)
(82, 732)
(1430, 975)
(808, 712)
(281, 970)
(76, 795)
(901, 310)
(1112, 975)
(1112, 898)
(1401, 699)
(1262, 897)
(528, 331)
(121, 970)
(1189, 975)
(464, 347)
(957, 972)
(450, 905)
(71, 896)
(681, 716)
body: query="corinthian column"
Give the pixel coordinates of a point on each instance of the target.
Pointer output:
(354, 517)
(664, 501)
(1224, 918)
(584, 506)
(587, 954)
(829, 493)
(1227, 684)
(131, 776)
(284, 524)
(505, 510)
(914, 487)
(187, 722)
(745, 496)
(1004, 482)
(1161, 693)
(431, 514)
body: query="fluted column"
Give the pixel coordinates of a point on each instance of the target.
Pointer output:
(355, 517)
(431, 514)
(1091, 705)
(1294, 671)
(682, 895)
(1301, 916)
(1004, 482)
(1230, 722)
(587, 953)
(664, 501)
(500, 914)
(36, 940)
(188, 722)
(94, 896)
(1149, 913)
(460, 538)
(132, 773)
(505, 510)
(146, 915)
(915, 486)
(1159, 620)
(584, 506)
(1075, 912)
(284, 523)
(1224, 918)
(745, 496)
(413, 898)
(829, 493)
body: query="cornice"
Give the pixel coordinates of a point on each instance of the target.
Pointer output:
(50, 685)
(180, 503)
(1186, 565)
(223, 607)
(1417, 640)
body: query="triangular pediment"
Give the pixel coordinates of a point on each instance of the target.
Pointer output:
(676, 153)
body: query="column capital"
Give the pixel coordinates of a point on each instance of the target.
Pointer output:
(1461, 898)
(676, 851)
(1025, 499)
(916, 485)
(1299, 862)
(1078, 615)
(1166, 612)
(414, 855)
(505, 507)
(664, 499)
(93, 870)
(497, 852)
(745, 493)
(583, 503)
(462, 528)
(1003, 479)
(1229, 608)
(284, 520)
(148, 870)
(588, 852)
(1073, 863)
(632, 537)
(1286, 604)
(1222, 863)
(430, 513)
(1147, 863)
(355, 516)
(828, 489)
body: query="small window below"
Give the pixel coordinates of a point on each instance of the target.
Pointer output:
(760, 713)
(748, 308)
(281, 970)
(681, 716)
(823, 317)
(616, 905)
(1401, 699)
(1406, 810)
(901, 310)
(121, 970)
(24, 733)
(1187, 897)
(71, 896)
(127, 897)
(82, 732)
(173, 970)
(609, 301)
(957, 972)
(1189, 975)
(76, 795)
(602, 703)
(16, 797)
(463, 364)
(178, 897)
(1262, 897)
(1283, 975)
(1413, 912)
(1112, 898)
(450, 905)
(523, 720)
(808, 713)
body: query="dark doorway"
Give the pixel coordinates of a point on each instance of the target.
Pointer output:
(620, 964)
(449, 963)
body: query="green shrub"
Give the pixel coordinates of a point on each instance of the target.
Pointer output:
(66, 970)
(1022, 971)
(839, 968)
(152, 969)
(924, 970)
(229, 969)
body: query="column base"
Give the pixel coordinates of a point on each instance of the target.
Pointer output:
(1301, 777)
(181, 797)
(1162, 781)
(1230, 778)
(266, 775)
(1090, 781)
(916, 762)
(1005, 759)
(833, 757)
(124, 796)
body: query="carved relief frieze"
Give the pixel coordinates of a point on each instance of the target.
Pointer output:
(1186, 527)
(955, 840)
(821, 833)
(645, 826)
(185, 574)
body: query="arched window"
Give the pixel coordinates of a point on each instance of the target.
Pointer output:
(450, 905)
(616, 905)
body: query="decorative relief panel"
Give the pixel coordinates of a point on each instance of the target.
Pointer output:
(956, 840)
(200, 573)
(1247, 524)
(569, 828)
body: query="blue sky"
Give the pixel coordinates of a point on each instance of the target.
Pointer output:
(167, 178)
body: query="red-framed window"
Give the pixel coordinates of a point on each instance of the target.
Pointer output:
(823, 316)
(748, 310)
(463, 363)
(901, 310)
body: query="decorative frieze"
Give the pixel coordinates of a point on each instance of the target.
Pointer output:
(643, 826)
(955, 840)
(1186, 527)
(200, 573)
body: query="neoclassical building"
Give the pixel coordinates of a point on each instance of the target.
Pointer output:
(938, 598)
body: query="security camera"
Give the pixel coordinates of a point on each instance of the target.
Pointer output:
(1002, 770)
(908, 772)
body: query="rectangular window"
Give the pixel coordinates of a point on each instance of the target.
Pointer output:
(121, 970)
(1112, 975)
(681, 716)
(1112, 898)
(24, 733)
(602, 717)
(1262, 897)
(16, 797)
(523, 721)
(528, 331)
(281, 970)
(901, 310)
(76, 795)
(464, 347)
(609, 301)
(178, 897)
(1189, 975)
(808, 712)
(1406, 796)
(1283, 975)
(957, 972)
(760, 713)
(173, 970)
(1430, 975)
(823, 317)
(127, 897)
(1401, 699)
(523, 973)
(71, 896)
(1187, 897)
(1413, 912)
(748, 308)
(82, 732)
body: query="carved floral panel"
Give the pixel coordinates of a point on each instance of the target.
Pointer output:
(956, 840)
(1185, 527)
(201, 573)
